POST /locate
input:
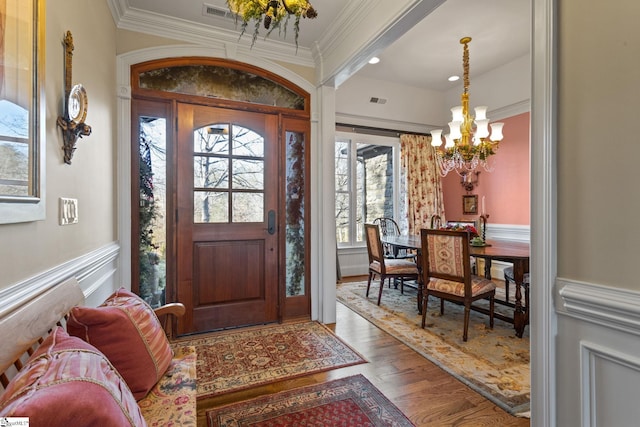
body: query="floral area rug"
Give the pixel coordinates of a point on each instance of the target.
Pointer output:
(351, 401)
(239, 359)
(493, 362)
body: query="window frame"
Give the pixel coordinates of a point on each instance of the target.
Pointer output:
(354, 139)
(16, 209)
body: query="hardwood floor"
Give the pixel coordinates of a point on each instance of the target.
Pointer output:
(425, 393)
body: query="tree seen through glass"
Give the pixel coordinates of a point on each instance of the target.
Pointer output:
(228, 174)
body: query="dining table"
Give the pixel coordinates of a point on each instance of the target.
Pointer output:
(514, 252)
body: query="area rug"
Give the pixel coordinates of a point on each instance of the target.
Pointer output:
(350, 401)
(494, 362)
(239, 359)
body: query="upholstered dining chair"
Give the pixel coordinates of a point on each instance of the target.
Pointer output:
(446, 269)
(386, 267)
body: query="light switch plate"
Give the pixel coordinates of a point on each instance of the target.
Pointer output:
(68, 211)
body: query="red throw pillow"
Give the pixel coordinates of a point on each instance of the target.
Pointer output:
(126, 330)
(68, 382)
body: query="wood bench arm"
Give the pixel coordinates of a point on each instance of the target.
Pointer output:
(168, 314)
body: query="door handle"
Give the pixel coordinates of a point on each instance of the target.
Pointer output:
(271, 222)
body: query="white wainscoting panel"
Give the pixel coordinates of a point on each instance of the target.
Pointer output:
(518, 233)
(353, 261)
(605, 372)
(598, 355)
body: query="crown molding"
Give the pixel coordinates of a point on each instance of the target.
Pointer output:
(511, 110)
(397, 125)
(129, 18)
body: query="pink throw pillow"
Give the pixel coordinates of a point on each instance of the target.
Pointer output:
(68, 382)
(126, 330)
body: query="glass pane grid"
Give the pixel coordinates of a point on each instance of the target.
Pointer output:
(228, 176)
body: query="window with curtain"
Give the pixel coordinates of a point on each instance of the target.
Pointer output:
(366, 181)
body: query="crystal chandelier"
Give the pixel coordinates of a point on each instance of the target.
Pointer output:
(468, 143)
(272, 14)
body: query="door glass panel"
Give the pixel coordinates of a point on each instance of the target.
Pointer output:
(210, 207)
(247, 143)
(248, 174)
(153, 198)
(210, 172)
(212, 139)
(295, 242)
(225, 171)
(248, 207)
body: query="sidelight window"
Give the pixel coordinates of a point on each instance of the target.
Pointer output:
(366, 171)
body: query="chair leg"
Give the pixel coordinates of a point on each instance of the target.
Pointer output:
(491, 310)
(381, 288)
(402, 286)
(425, 300)
(467, 312)
(369, 283)
(506, 287)
(441, 306)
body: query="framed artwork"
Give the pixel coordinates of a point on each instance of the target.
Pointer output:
(469, 204)
(21, 111)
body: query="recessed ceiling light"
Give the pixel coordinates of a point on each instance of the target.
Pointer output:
(374, 60)
(454, 78)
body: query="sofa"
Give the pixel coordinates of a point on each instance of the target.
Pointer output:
(66, 364)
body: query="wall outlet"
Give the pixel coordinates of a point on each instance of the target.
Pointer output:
(68, 211)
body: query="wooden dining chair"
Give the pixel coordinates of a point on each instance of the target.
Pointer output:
(446, 269)
(386, 267)
(389, 227)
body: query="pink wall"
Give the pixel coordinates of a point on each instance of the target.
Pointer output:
(506, 189)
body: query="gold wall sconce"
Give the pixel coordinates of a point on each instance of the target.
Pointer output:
(75, 106)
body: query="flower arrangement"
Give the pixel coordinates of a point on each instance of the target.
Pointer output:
(459, 227)
(271, 13)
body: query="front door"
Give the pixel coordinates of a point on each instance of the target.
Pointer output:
(227, 217)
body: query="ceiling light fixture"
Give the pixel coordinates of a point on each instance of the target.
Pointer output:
(468, 144)
(272, 14)
(454, 78)
(374, 60)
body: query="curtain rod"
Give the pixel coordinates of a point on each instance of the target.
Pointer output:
(376, 131)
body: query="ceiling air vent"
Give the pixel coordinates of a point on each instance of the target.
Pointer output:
(375, 100)
(216, 11)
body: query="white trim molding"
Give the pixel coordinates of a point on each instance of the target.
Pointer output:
(614, 308)
(518, 233)
(93, 270)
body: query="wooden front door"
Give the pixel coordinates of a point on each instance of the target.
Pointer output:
(227, 217)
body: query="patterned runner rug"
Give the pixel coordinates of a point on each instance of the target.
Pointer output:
(239, 359)
(494, 362)
(351, 401)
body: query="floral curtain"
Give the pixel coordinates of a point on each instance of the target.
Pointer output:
(422, 183)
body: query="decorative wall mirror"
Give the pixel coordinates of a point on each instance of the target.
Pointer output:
(22, 192)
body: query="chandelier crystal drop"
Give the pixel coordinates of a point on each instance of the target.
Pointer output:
(271, 14)
(469, 143)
